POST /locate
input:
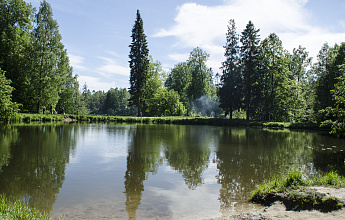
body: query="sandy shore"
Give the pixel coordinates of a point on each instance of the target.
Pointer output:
(278, 210)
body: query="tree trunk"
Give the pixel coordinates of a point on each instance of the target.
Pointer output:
(139, 114)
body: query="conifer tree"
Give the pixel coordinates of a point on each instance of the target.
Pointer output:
(249, 61)
(139, 63)
(230, 91)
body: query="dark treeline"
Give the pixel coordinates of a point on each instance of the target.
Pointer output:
(260, 79)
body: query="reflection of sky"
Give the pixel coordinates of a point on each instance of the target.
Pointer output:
(95, 175)
(109, 145)
(180, 200)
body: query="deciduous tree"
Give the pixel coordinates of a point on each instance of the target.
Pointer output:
(8, 109)
(50, 59)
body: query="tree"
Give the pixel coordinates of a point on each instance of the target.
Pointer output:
(304, 93)
(165, 103)
(200, 83)
(8, 109)
(16, 18)
(249, 61)
(326, 74)
(96, 102)
(276, 86)
(116, 102)
(50, 59)
(179, 80)
(337, 113)
(139, 63)
(70, 95)
(154, 84)
(230, 90)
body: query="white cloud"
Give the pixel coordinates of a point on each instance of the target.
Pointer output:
(205, 26)
(77, 62)
(178, 57)
(95, 83)
(111, 67)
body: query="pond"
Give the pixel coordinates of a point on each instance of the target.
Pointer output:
(94, 171)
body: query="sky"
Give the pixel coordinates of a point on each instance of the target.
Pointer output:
(97, 34)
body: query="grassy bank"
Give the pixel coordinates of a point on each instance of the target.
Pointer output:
(293, 189)
(166, 120)
(17, 210)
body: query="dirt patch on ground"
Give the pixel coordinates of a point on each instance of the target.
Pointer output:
(278, 210)
(69, 120)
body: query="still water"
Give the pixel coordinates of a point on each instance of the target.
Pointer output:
(112, 171)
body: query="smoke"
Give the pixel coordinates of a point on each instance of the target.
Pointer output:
(207, 106)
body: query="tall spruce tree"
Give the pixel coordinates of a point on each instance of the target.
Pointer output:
(230, 90)
(139, 63)
(249, 61)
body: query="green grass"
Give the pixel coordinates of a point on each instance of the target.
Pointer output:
(291, 188)
(25, 117)
(180, 120)
(17, 210)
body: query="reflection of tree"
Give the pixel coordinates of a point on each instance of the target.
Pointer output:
(248, 156)
(328, 154)
(36, 169)
(143, 157)
(8, 135)
(188, 152)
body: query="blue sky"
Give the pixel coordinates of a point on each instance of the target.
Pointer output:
(96, 34)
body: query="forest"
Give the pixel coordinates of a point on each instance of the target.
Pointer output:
(259, 79)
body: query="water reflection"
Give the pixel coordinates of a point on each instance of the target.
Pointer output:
(36, 168)
(187, 151)
(142, 168)
(248, 156)
(143, 157)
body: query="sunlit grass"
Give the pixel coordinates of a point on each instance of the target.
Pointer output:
(17, 210)
(181, 120)
(292, 186)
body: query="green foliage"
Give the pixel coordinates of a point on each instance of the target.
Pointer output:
(8, 109)
(154, 85)
(139, 64)
(249, 59)
(200, 75)
(336, 113)
(16, 18)
(51, 62)
(277, 88)
(179, 80)
(192, 79)
(327, 71)
(33, 57)
(165, 103)
(294, 180)
(18, 210)
(230, 91)
(116, 103)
